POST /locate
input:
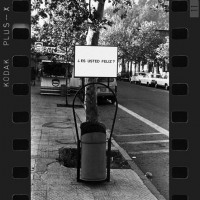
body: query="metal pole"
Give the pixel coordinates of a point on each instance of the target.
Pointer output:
(66, 100)
(66, 73)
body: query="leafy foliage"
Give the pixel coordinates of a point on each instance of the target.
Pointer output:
(66, 22)
(129, 26)
(163, 50)
(136, 35)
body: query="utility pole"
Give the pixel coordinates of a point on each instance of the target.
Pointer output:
(66, 73)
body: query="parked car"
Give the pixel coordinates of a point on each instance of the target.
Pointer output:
(162, 81)
(136, 77)
(124, 76)
(105, 93)
(146, 79)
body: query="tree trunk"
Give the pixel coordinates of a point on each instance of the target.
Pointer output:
(139, 66)
(131, 70)
(164, 66)
(90, 92)
(150, 67)
(135, 66)
(157, 69)
(142, 67)
(123, 65)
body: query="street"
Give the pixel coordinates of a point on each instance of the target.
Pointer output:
(148, 147)
(149, 102)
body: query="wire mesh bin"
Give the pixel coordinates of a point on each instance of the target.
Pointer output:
(93, 161)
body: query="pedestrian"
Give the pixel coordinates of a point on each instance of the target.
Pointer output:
(33, 75)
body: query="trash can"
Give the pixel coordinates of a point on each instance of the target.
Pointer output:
(93, 151)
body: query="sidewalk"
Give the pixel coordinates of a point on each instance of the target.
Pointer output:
(52, 128)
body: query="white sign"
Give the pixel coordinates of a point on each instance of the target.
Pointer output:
(54, 50)
(95, 61)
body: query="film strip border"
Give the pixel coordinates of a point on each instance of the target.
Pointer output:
(184, 19)
(15, 99)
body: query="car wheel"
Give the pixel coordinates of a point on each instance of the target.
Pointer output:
(156, 85)
(147, 84)
(139, 82)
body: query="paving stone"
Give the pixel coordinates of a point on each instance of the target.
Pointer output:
(37, 175)
(39, 195)
(126, 184)
(62, 195)
(38, 185)
(42, 164)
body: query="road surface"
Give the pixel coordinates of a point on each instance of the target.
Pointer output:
(141, 128)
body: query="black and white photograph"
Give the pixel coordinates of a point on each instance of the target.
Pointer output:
(100, 99)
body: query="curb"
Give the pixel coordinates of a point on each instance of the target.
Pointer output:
(133, 166)
(137, 170)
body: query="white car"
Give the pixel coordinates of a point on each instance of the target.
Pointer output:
(161, 81)
(146, 79)
(136, 77)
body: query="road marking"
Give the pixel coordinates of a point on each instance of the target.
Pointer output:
(121, 150)
(146, 142)
(148, 122)
(152, 151)
(138, 134)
